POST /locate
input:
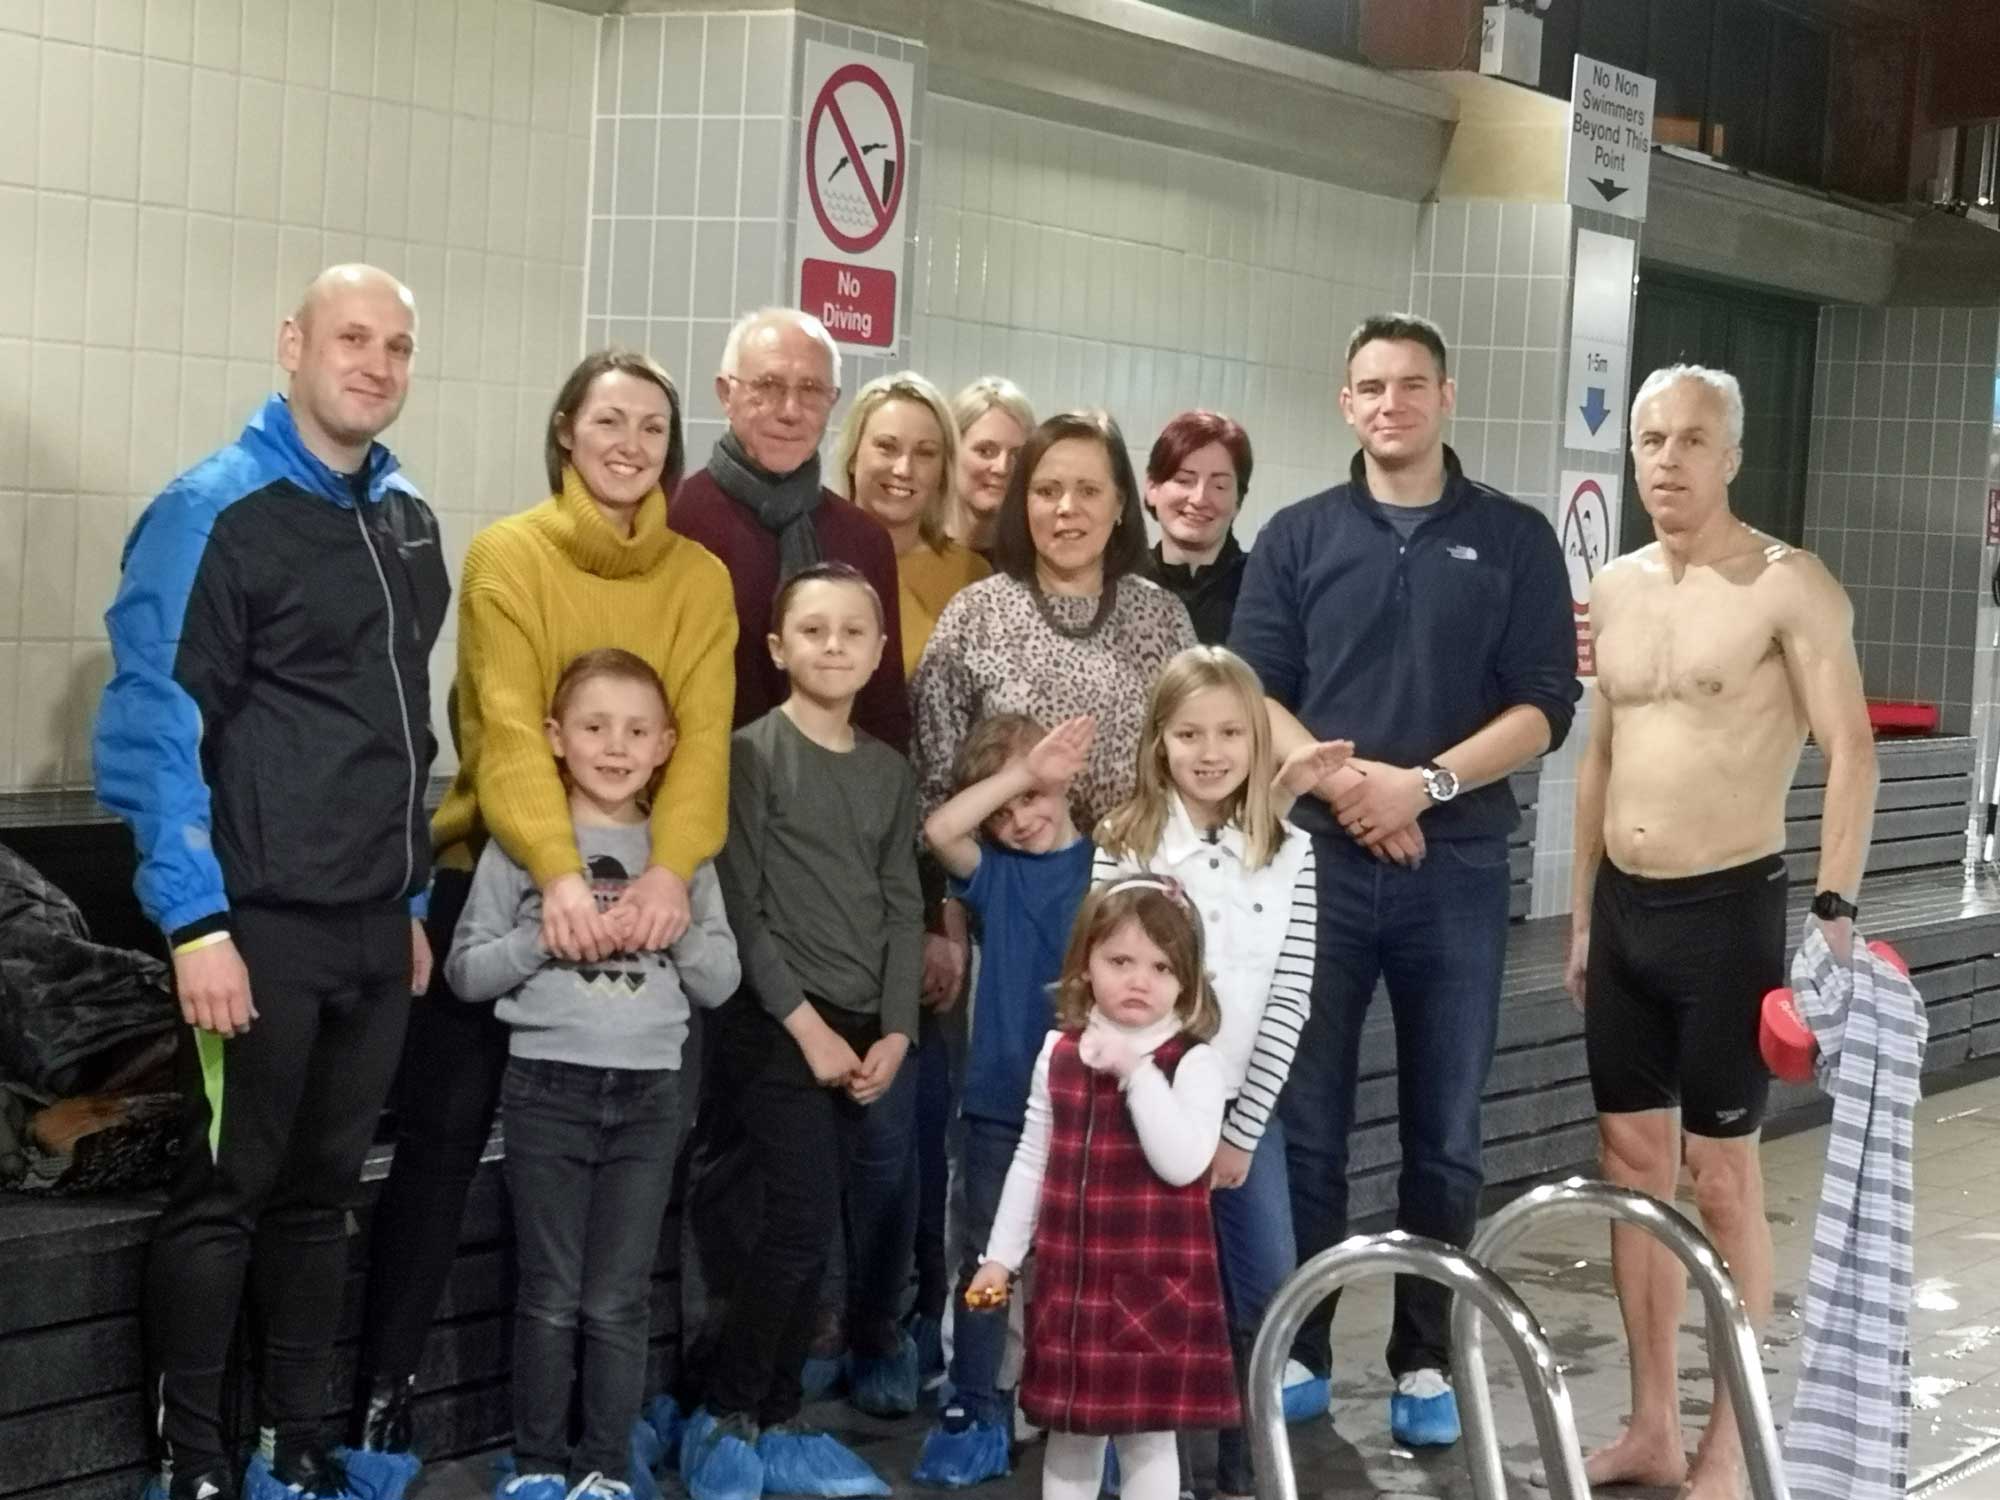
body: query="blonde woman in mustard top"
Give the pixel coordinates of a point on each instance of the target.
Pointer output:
(896, 456)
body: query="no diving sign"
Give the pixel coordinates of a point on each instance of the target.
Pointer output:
(853, 191)
(1589, 536)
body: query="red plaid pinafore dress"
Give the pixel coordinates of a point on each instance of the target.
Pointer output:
(1126, 1329)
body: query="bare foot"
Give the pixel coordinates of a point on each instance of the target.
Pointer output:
(1637, 1458)
(1717, 1475)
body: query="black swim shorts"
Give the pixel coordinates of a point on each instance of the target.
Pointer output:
(1674, 986)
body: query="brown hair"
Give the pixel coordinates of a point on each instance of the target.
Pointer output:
(1399, 328)
(606, 661)
(1166, 916)
(1133, 829)
(576, 390)
(823, 572)
(993, 742)
(1014, 544)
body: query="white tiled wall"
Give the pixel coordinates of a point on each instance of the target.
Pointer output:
(1896, 491)
(696, 187)
(1096, 270)
(172, 173)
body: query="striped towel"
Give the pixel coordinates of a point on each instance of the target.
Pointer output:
(1849, 1436)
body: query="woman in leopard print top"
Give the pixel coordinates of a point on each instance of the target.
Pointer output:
(1066, 626)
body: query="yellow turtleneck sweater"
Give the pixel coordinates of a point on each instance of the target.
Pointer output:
(541, 588)
(926, 578)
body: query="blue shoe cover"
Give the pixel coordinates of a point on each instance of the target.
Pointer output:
(822, 1378)
(378, 1476)
(153, 1489)
(885, 1385)
(717, 1461)
(960, 1453)
(1306, 1395)
(507, 1485)
(801, 1461)
(1424, 1421)
(668, 1422)
(648, 1455)
(1112, 1481)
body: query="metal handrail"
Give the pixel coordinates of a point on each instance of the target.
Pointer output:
(1734, 1358)
(1409, 1255)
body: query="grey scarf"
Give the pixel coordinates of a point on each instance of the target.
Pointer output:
(784, 503)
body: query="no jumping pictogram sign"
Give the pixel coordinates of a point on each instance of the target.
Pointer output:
(1589, 540)
(854, 158)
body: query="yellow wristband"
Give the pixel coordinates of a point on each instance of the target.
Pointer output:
(206, 940)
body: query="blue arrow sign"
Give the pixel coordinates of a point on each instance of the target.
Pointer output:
(1594, 410)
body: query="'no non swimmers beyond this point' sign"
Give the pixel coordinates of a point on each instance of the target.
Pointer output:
(853, 198)
(1611, 138)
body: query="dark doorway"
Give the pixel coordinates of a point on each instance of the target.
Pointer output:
(1767, 343)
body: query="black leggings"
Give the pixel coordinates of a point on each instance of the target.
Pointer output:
(446, 1097)
(279, 1123)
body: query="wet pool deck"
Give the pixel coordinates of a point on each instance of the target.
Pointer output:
(1564, 1274)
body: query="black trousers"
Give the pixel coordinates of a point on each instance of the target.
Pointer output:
(280, 1121)
(446, 1097)
(800, 1139)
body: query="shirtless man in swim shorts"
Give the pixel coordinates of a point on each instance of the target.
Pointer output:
(1718, 649)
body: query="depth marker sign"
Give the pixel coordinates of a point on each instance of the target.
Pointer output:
(853, 200)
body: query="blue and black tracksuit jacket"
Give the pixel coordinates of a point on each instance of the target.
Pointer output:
(1407, 648)
(266, 730)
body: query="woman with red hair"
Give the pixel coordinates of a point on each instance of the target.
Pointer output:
(1196, 477)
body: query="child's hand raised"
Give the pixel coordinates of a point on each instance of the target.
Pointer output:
(1058, 757)
(1306, 767)
(871, 1080)
(989, 1286)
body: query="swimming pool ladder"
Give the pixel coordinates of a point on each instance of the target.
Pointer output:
(1385, 1254)
(1732, 1344)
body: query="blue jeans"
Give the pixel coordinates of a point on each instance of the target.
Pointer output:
(590, 1155)
(979, 1335)
(1256, 1252)
(1437, 937)
(881, 1218)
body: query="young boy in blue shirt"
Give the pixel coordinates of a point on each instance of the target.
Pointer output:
(1017, 861)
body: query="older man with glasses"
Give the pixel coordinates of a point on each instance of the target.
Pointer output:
(760, 507)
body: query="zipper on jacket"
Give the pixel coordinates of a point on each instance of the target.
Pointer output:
(1082, 1218)
(402, 702)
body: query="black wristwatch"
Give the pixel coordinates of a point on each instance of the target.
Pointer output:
(1440, 784)
(1831, 906)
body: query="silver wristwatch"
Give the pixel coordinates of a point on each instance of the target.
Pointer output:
(1440, 784)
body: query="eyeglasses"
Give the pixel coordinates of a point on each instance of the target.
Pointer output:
(773, 392)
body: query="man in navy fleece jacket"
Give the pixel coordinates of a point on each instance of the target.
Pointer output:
(1426, 617)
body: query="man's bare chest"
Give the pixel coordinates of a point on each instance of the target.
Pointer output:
(1699, 646)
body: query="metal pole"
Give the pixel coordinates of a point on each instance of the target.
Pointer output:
(1474, 1285)
(1733, 1354)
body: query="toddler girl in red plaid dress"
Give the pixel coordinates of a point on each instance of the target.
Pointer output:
(1127, 1336)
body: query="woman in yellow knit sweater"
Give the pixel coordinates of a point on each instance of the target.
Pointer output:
(593, 565)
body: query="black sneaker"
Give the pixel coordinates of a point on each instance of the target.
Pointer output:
(385, 1416)
(309, 1469)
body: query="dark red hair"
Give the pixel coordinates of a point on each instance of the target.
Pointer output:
(1192, 431)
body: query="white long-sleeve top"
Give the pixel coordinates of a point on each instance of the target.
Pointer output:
(1260, 935)
(1179, 1126)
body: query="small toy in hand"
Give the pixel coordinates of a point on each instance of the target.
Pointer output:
(981, 1298)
